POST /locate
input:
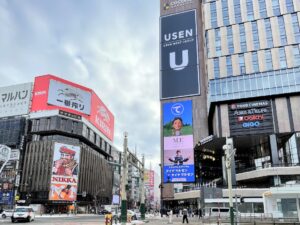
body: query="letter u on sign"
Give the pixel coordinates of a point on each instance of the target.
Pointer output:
(184, 61)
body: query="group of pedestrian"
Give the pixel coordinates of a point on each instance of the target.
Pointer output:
(185, 212)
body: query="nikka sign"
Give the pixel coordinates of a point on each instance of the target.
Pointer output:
(179, 55)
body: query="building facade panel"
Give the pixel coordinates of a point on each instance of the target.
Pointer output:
(282, 113)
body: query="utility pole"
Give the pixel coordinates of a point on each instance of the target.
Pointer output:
(143, 189)
(124, 182)
(229, 153)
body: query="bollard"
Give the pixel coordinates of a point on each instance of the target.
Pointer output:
(170, 216)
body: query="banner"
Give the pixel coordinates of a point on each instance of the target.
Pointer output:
(179, 55)
(178, 142)
(64, 179)
(14, 100)
(254, 117)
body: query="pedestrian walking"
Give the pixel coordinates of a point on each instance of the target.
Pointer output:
(185, 216)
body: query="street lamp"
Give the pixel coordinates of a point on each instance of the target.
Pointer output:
(124, 182)
(229, 154)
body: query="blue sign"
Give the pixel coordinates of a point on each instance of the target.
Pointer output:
(6, 198)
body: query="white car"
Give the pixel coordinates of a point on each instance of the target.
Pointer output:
(6, 213)
(23, 213)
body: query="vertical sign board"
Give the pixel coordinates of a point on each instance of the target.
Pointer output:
(64, 179)
(179, 68)
(14, 100)
(178, 142)
(253, 117)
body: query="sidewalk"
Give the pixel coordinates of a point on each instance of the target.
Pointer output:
(67, 215)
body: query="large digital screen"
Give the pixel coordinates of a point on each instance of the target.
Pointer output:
(179, 55)
(178, 142)
(70, 97)
(65, 169)
(254, 117)
(51, 92)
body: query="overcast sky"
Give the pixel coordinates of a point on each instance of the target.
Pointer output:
(108, 46)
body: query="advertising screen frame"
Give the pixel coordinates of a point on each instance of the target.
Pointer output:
(178, 139)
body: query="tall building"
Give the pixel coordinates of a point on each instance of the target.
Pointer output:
(62, 137)
(246, 54)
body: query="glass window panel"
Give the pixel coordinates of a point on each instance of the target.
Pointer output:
(250, 13)
(269, 35)
(276, 7)
(296, 53)
(268, 58)
(243, 43)
(213, 14)
(229, 66)
(242, 63)
(225, 12)
(282, 32)
(230, 40)
(255, 35)
(296, 27)
(218, 41)
(289, 6)
(216, 68)
(282, 58)
(262, 8)
(237, 11)
(255, 64)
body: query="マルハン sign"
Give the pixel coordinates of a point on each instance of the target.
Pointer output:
(14, 100)
(179, 55)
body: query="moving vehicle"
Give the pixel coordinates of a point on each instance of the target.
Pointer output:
(23, 213)
(6, 213)
(217, 212)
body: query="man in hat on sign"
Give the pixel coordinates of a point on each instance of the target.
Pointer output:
(66, 165)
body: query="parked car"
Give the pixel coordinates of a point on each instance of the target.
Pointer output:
(103, 212)
(23, 213)
(6, 213)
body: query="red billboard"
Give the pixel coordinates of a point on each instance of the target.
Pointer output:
(51, 92)
(101, 117)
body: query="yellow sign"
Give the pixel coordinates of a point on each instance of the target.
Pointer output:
(17, 198)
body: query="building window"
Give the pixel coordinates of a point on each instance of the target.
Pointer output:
(255, 35)
(255, 64)
(230, 40)
(268, 30)
(296, 27)
(250, 13)
(207, 44)
(213, 14)
(229, 66)
(242, 63)
(225, 12)
(282, 58)
(216, 68)
(243, 38)
(281, 26)
(268, 58)
(237, 11)
(218, 42)
(289, 6)
(276, 7)
(262, 9)
(296, 53)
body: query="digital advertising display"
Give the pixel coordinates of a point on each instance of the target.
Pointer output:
(255, 117)
(51, 92)
(65, 169)
(70, 97)
(178, 142)
(179, 72)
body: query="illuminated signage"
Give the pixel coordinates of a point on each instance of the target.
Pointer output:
(253, 117)
(178, 142)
